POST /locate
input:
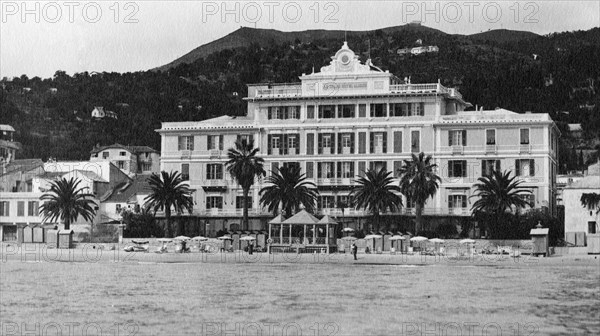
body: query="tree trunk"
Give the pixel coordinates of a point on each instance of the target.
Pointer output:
(67, 224)
(180, 226)
(245, 210)
(418, 218)
(168, 218)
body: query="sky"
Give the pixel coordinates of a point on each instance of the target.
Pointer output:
(37, 38)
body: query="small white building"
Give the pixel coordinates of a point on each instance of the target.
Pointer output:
(579, 221)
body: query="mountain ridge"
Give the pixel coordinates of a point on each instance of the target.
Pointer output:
(245, 36)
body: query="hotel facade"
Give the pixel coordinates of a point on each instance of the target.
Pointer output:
(348, 118)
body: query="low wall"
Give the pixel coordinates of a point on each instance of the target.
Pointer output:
(571, 250)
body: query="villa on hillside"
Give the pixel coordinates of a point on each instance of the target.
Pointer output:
(337, 123)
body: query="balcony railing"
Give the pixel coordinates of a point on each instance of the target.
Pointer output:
(482, 149)
(281, 91)
(408, 88)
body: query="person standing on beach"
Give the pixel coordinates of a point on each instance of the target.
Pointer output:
(354, 250)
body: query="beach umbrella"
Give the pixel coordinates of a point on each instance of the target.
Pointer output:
(419, 239)
(247, 238)
(200, 238)
(348, 229)
(467, 241)
(181, 238)
(225, 237)
(350, 238)
(436, 240)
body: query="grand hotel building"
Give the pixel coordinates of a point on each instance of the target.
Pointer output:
(350, 117)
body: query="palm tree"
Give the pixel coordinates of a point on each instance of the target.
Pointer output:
(289, 189)
(497, 194)
(419, 182)
(66, 202)
(376, 193)
(590, 201)
(169, 191)
(244, 166)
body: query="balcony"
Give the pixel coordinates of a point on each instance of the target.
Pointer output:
(458, 150)
(185, 154)
(493, 149)
(282, 90)
(214, 154)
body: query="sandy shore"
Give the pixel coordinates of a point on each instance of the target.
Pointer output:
(114, 292)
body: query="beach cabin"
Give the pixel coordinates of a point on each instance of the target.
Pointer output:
(302, 233)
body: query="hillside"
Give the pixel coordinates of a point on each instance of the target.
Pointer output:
(245, 37)
(562, 80)
(504, 36)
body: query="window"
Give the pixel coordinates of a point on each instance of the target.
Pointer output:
(343, 202)
(186, 143)
(292, 164)
(121, 164)
(378, 165)
(378, 142)
(346, 140)
(325, 170)
(20, 208)
(488, 166)
(310, 112)
(346, 169)
(378, 110)
(146, 166)
(327, 202)
(457, 138)
(457, 168)
(105, 155)
(529, 198)
(592, 227)
(274, 142)
(213, 142)
(247, 137)
(362, 110)
(525, 167)
(327, 111)
(293, 112)
(327, 140)
(397, 142)
(418, 109)
(214, 171)
(457, 201)
(293, 142)
(214, 202)
(185, 171)
(524, 136)
(33, 208)
(415, 141)
(239, 202)
(400, 110)
(346, 111)
(121, 153)
(5, 208)
(490, 137)
(275, 112)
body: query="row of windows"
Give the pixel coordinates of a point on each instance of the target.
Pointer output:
(350, 169)
(376, 110)
(290, 143)
(342, 143)
(454, 201)
(32, 208)
(216, 202)
(213, 142)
